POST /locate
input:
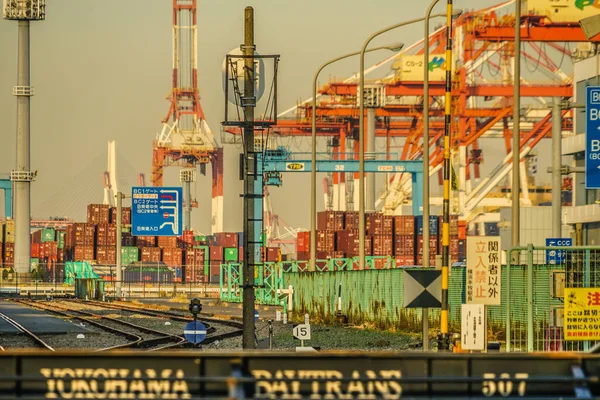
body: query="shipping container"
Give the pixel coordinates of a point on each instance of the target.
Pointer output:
(188, 237)
(129, 254)
(48, 235)
(148, 274)
(354, 246)
(216, 253)
(106, 255)
(167, 242)
(383, 245)
(271, 254)
(432, 260)
(35, 250)
(80, 234)
(352, 219)
(9, 254)
(404, 245)
(82, 252)
(405, 260)
(344, 239)
(60, 238)
(227, 239)
(9, 231)
(125, 215)
(379, 224)
(173, 257)
(330, 220)
(303, 242)
(145, 241)
(127, 239)
(231, 254)
(433, 225)
(433, 245)
(303, 256)
(151, 254)
(98, 214)
(404, 225)
(106, 235)
(325, 240)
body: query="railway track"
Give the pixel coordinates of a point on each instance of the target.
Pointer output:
(36, 339)
(138, 336)
(176, 316)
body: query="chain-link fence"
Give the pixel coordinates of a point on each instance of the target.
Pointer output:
(534, 306)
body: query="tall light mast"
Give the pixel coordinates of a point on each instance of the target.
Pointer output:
(23, 11)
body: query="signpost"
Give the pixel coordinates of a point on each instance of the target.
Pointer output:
(473, 327)
(557, 257)
(156, 211)
(483, 270)
(195, 332)
(582, 314)
(592, 138)
(301, 332)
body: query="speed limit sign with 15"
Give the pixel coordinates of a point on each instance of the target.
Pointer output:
(301, 331)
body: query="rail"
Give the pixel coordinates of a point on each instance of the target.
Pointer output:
(27, 332)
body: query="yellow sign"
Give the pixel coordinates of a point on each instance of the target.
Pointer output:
(582, 314)
(294, 166)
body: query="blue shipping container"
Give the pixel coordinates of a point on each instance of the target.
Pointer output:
(433, 225)
(240, 239)
(178, 272)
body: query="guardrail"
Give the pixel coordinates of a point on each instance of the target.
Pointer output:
(298, 375)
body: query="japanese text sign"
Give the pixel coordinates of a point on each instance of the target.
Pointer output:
(582, 314)
(156, 211)
(472, 333)
(483, 270)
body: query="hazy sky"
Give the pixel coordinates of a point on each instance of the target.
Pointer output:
(101, 71)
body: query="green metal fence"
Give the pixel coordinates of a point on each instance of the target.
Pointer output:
(268, 280)
(534, 314)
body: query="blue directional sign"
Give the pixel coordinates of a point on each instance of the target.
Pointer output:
(156, 211)
(195, 332)
(255, 315)
(557, 257)
(592, 138)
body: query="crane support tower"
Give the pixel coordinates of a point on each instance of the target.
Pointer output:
(186, 139)
(23, 12)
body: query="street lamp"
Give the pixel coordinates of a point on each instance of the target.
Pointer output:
(361, 137)
(313, 173)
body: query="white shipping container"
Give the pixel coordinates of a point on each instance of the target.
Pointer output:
(562, 10)
(410, 68)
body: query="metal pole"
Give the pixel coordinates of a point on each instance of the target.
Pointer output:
(445, 337)
(516, 148)
(425, 315)
(251, 243)
(22, 183)
(370, 206)
(556, 167)
(119, 272)
(529, 298)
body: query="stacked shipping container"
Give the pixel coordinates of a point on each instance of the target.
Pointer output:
(397, 236)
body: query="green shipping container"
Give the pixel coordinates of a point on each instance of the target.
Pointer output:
(35, 263)
(126, 228)
(200, 238)
(263, 239)
(129, 254)
(48, 235)
(60, 238)
(231, 254)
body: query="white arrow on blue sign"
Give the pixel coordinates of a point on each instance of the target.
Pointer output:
(592, 138)
(195, 332)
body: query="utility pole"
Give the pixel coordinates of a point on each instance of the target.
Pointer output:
(119, 272)
(516, 142)
(251, 244)
(556, 167)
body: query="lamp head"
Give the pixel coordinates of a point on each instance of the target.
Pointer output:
(395, 46)
(590, 26)
(456, 12)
